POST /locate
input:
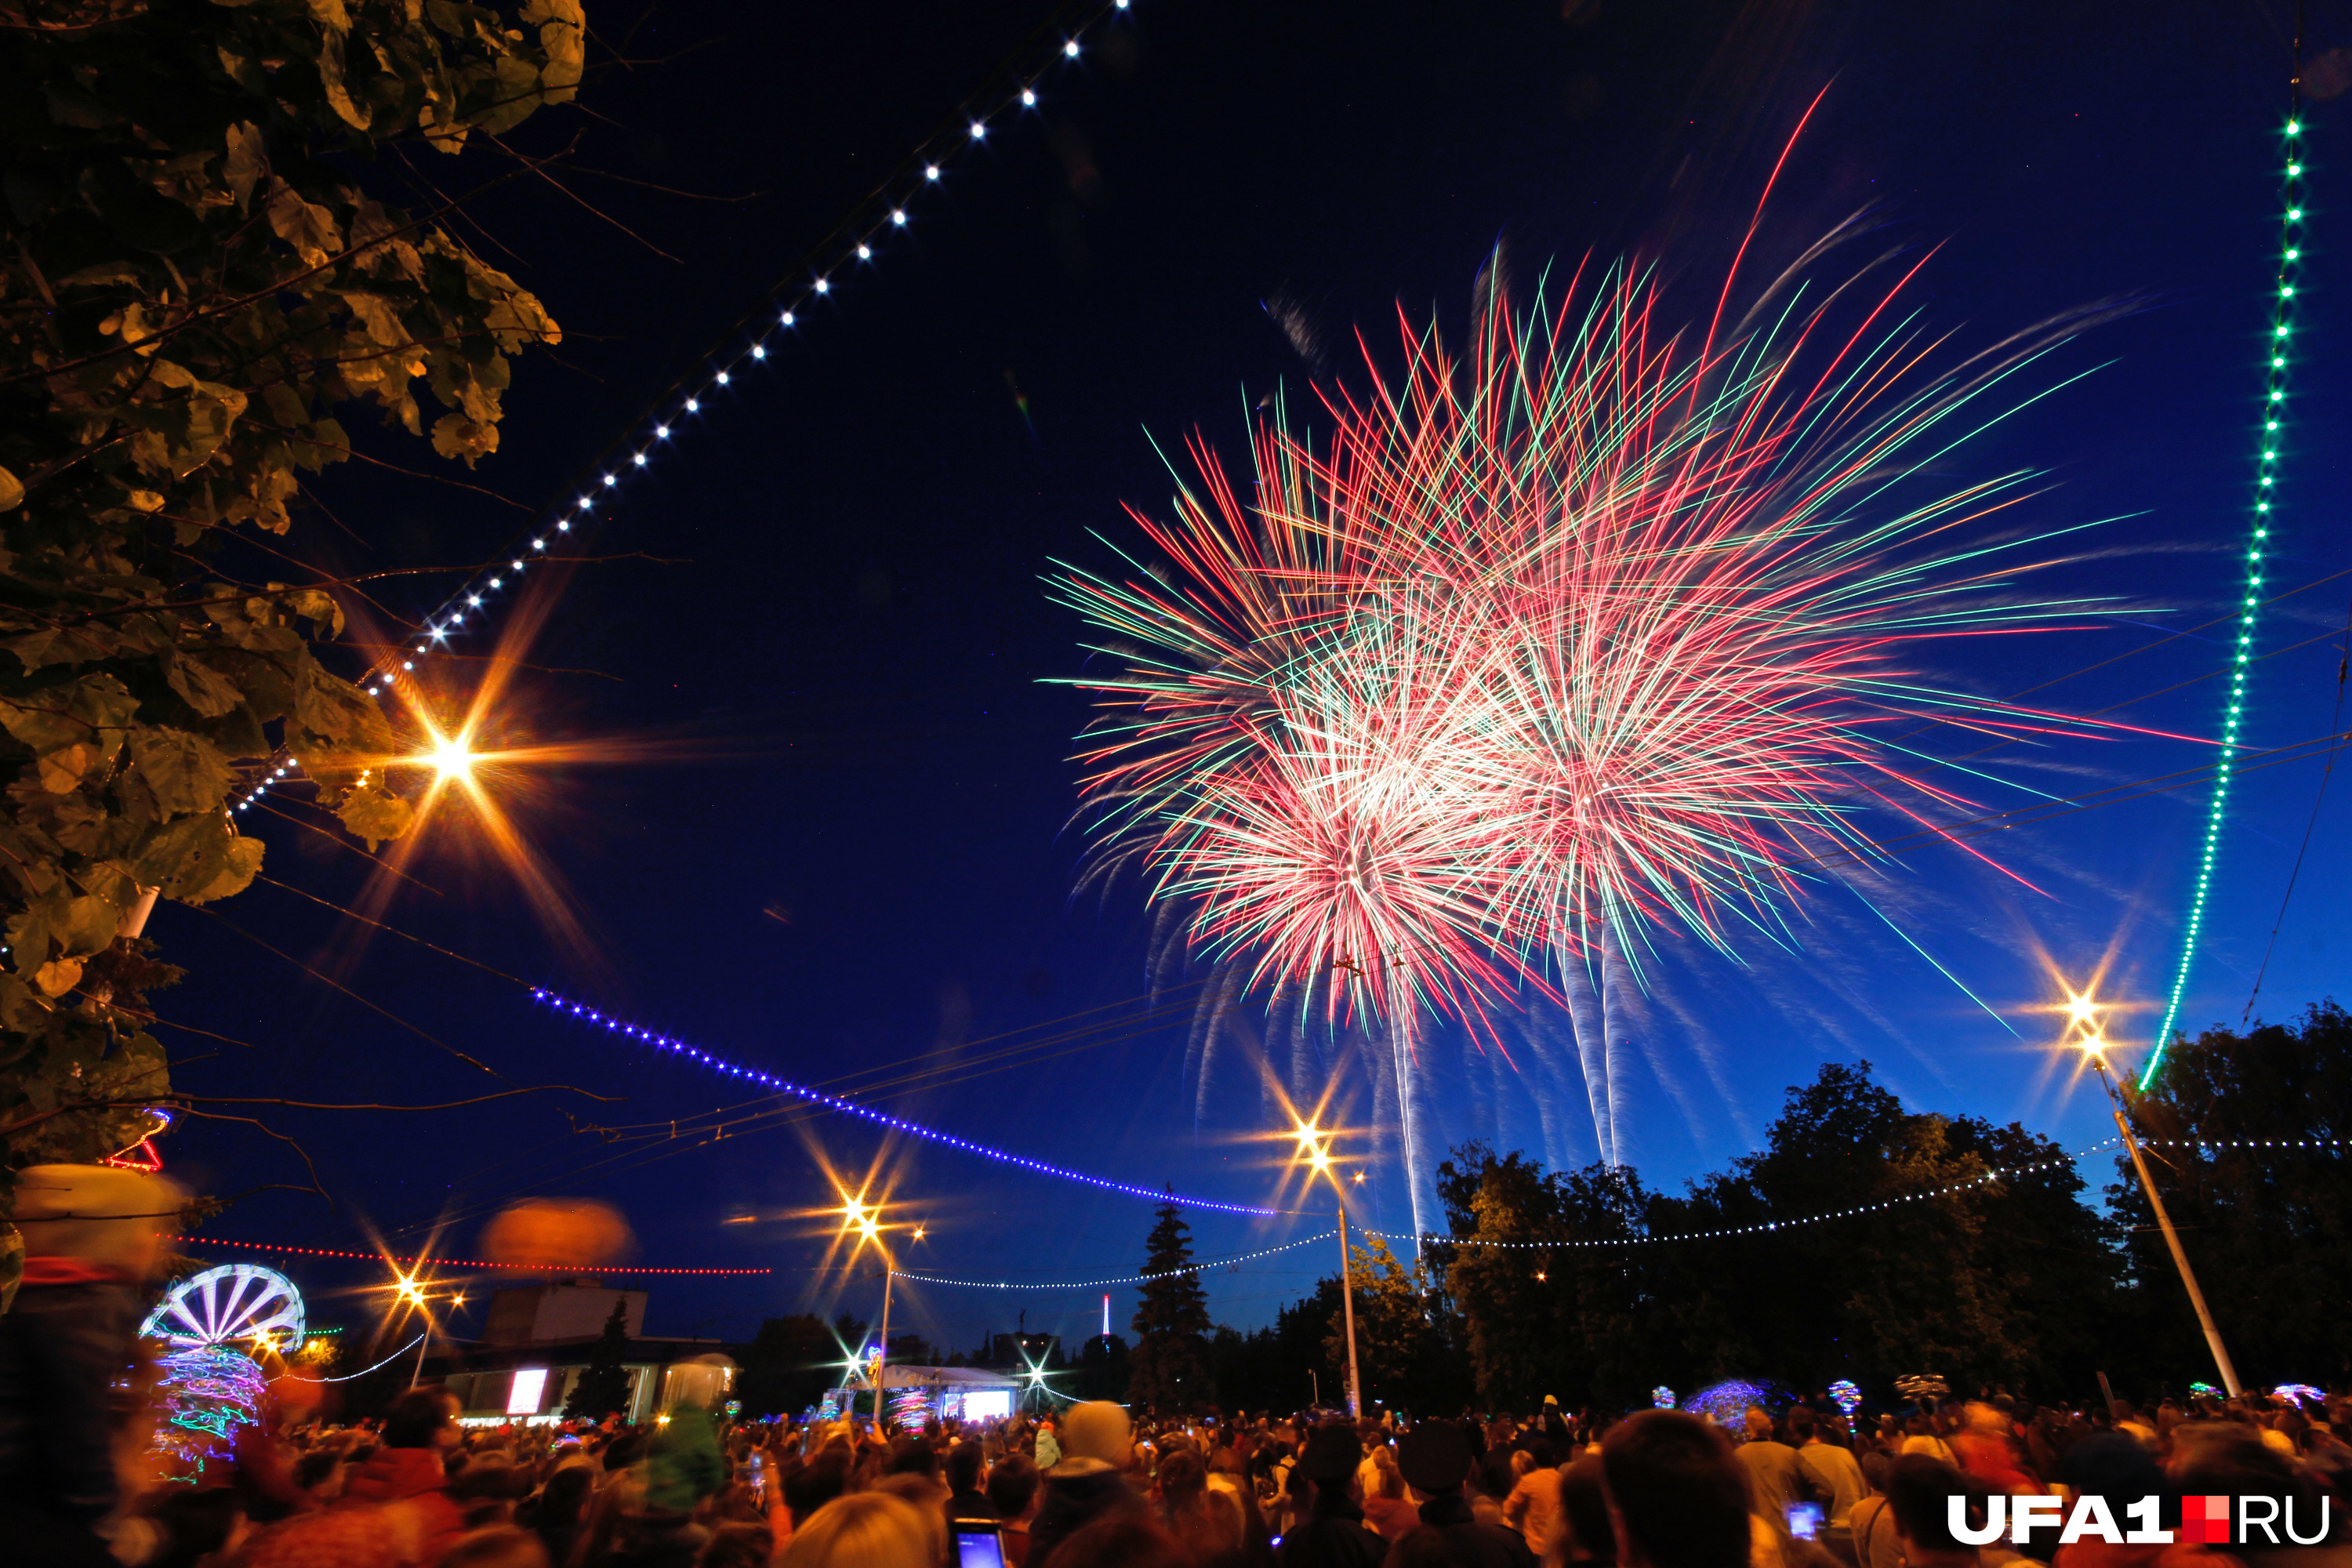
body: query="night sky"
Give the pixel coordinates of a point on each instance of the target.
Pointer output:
(842, 835)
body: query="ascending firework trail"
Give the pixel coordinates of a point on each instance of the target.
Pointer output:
(1599, 632)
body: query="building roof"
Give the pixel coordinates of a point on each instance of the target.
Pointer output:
(895, 1375)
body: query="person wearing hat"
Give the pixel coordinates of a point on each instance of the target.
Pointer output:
(93, 1239)
(1435, 1459)
(1334, 1534)
(1090, 1481)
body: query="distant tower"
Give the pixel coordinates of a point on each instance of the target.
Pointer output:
(1105, 1315)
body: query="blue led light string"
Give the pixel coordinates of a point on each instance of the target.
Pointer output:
(885, 214)
(2274, 421)
(834, 1102)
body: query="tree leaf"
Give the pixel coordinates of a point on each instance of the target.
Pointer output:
(336, 713)
(12, 491)
(309, 228)
(61, 771)
(200, 686)
(57, 976)
(182, 770)
(375, 815)
(248, 161)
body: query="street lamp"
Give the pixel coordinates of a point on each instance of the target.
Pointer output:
(2082, 1023)
(864, 1221)
(409, 1295)
(1315, 1148)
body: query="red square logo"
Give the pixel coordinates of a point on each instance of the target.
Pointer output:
(2205, 1520)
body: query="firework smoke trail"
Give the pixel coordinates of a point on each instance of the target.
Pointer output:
(1586, 638)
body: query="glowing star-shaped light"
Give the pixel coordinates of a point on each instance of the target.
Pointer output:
(452, 758)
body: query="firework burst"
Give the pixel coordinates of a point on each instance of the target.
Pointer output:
(1594, 633)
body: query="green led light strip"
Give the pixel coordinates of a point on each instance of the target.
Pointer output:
(2273, 418)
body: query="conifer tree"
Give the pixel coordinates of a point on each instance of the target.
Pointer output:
(602, 1387)
(1168, 1369)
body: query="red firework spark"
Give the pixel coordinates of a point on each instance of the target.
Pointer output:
(1587, 635)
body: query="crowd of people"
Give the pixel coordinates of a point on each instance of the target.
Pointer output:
(1802, 1488)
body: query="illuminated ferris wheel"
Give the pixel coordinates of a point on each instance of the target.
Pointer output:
(233, 1304)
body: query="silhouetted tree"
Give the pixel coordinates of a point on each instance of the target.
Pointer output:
(1169, 1367)
(2266, 1221)
(602, 1388)
(792, 1362)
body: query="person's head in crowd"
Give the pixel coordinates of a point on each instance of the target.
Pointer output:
(964, 1463)
(924, 1492)
(1919, 1493)
(1181, 1479)
(867, 1530)
(2112, 1464)
(912, 1456)
(1118, 1541)
(563, 1497)
(2226, 1459)
(1098, 1429)
(1801, 1426)
(422, 1418)
(812, 1486)
(503, 1546)
(1677, 1498)
(737, 1546)
(1434, 1457)
(1330, 1456)
(486, 1477)
(1585, 1534)
(1012, 1487)
(1495, 1476)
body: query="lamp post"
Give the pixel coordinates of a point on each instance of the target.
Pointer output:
(2084, 1012)
(865, 1220)
(1315, 1148)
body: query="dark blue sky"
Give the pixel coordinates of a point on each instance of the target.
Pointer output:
(859, 851)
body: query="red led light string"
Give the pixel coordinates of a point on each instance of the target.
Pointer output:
(462, 1262)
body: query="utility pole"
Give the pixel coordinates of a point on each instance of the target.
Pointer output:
(1348, 1308)
(2164, 1223)
(882, 1351)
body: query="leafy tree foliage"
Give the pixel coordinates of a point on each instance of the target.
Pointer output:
(1267, 1368)
(197, 283)
(1539, 1316)
(1168, 1369)
(1996, 1283)
(1102, 1370)
(1403, 1355)
(2268, 1230)
(602, 1388)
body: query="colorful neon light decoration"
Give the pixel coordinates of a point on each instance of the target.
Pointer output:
(824, 1101)
(2271, 440)
(236, 1303)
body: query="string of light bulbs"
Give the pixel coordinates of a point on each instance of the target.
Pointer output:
(1320, 1235)
(818, 1097)
(1769, 1226)
(463, 1262)
(850, 248)
(2266, 472)
(385, 1361)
